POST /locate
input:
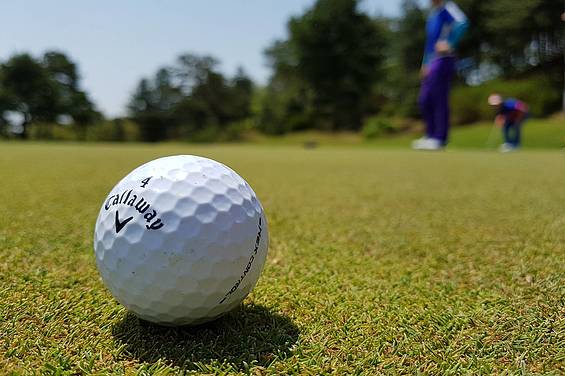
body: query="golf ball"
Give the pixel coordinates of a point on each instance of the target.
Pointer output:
(181, 240)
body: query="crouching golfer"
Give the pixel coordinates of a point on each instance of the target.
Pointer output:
(444, 28)
(510, 116)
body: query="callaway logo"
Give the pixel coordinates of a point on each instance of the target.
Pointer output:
(120, 225)
(129, 198)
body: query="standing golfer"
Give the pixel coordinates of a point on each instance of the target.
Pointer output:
(444, 28)
(510, 116)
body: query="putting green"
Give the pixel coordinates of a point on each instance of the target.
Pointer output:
(380, 261)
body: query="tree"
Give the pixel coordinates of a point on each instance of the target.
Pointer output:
(406, 38)
(524, 35)
(43, 90)
(61, 69)
(190, 99)
(514, 37)
(213, 102)
(27, 89)
(410, 37)
(72, 100)
(338, 51)
(242, 94)
(287, 104)
(153, 103)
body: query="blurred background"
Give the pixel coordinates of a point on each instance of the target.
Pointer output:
(257, 70)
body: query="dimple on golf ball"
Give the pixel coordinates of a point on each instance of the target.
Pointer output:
(181, 240)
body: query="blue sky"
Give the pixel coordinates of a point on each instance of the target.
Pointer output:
(116, 43)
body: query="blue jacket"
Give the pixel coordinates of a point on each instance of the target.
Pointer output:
(445, 23)
(512, 109)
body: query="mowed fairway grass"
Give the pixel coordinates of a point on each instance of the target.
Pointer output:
(385, 261)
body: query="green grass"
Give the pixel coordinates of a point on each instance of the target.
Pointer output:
(380, 261)
(537, 134)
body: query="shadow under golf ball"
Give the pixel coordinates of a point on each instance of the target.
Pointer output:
(248, 335)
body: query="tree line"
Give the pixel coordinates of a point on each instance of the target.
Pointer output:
(338, 67)
(43, 90)
(191, 100)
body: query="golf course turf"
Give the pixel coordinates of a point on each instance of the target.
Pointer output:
(386, 261)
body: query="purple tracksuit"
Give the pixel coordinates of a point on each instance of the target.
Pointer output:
(445, 23)
(434, 97)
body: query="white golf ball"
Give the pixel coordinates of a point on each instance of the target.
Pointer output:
(181, 240)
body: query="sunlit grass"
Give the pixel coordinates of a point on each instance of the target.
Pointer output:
(380, 261)
(537, 134)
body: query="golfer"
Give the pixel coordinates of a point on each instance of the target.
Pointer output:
(510, 116)
(445, 26)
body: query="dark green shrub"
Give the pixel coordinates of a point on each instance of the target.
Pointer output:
(469, 103)
(376, 126)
